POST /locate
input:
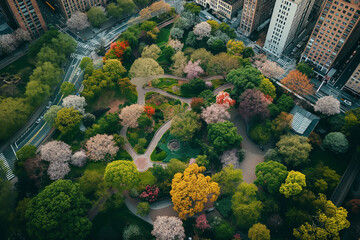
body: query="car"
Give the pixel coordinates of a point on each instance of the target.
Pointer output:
(48, 105)
(347, 102)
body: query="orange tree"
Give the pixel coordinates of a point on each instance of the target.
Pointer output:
(116, 50)
(191, 190)
(298, 82)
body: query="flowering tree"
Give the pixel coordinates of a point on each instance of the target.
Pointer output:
(78, 21)
(77, 102)
(130, 114)
(58, 170)
(253, 102)
(193, 69)
(230, 157)
(55, 151)
(116, 50)
(144, 67)
(235, 47)
(268, 68)
(202, 30)
(202, 222)
(196, 104)
(191, 190)
(153, 10)
(7, 43)
(215, 113)
(79, 158)
(149, 111)
(101, 147)
(168, 228)
(176, 44)
(224, 99)
(22, 35)
(152, 51)
(150, 193)
(327, 105)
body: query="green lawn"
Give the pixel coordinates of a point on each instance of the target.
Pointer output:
(77, 172)
(109, 225)
(163, 36)
(337, 162)
(147, 178)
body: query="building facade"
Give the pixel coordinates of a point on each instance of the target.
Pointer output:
(287, 22)
(28, 16)
(70, 6)
(254, 13)
(353, 84)
(333, 29)
(226, 8)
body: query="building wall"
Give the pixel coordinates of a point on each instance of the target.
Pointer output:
(70, 6)
(353, 84)
(223, 7)
(287, 22)
(334, 27)
(28, 16)
(254, 13)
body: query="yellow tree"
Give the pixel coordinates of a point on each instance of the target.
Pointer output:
(327, 224)
(298, 82)
(235, 47)
(191, 190)
(294, 184)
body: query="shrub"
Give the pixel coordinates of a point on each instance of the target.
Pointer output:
(336, 142)
(161, 156)
(98, 112)
(143, 209)
(134, 193)
(224, 207)
(132, 232)
(150, 194)
(224, 231)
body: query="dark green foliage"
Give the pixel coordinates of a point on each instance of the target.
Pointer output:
(285, 103)
(217, 46)
(144, 121)
(305, 69)
(108, 124)
(336, 142)
(88, 119)
(26, 152)
(98, 112)
(96, 16)
(270, 175)
(314, 175)
(46, 38)
(295, 217)
(336, 122)
(224, 206)
(261, 133)
(159, 115)
(223, 136)
(193, 88)
(208, 97)
(7, 199)
(248, 52)
(244, 78)
(273, 155)
(168, 52)
(58, 213)
(224, 231)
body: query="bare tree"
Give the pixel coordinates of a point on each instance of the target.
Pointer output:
(78, 21)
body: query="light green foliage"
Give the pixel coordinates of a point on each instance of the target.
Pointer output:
(58, 213)
(51, 114)
(202, 160)
(26, 152)
(152, 51)
(336, 142)
(96, 16)
(47, 54)
(121, 175)
(145, 67)
(185, 124)
(63, 44)
(267, 88)
(259, 232)
(270, 175)
(7, 199)
(221, 64)
(67, 88)
(294, 149)
(228, 179)
(132, 232)
(67, 119)
(294, 183)
(223, 136)
(179, 63)
(115, 69)
(143, 209)
(13, 114)
(36, 92)
(247, 209)
(202, 55)
(244, 78)
(47, 73)
(84, 62)
(192, 7)
(261, 133)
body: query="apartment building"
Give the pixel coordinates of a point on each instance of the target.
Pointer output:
(70, 6)
(226, 8)
(353, 84)
(287, 22)
(332, 32)
(28, 16)
(254, 13)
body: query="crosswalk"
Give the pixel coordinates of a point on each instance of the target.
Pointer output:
(83, 45)
(77, 56)
(8, 172)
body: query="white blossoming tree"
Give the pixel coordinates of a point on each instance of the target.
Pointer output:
(168, 228)
(58, 170)
(78, 21)
(230, 157)
(202, 30)
(130, 114)
(215, 113)
(77, 102)
(152, 51)
(79, 158)
(176, 44)
(55, 151)
(327, 105)
(101, 147)
(145, 67)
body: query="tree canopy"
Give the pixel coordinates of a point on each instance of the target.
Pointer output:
(121, 175)
(270, 175)
(244, 78)
(223, 136)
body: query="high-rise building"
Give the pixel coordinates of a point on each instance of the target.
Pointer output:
(353, 84)
(70, 6)
(287, 22)
(226, 8)
(332, 32)
(254, 13)
(28, 16)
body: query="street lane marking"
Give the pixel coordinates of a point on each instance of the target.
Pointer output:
(36, 134)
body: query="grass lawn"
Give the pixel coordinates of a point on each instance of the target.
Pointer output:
(109, 225)
(77, 172)
(336, 162)
(147, 178)
(163, 36)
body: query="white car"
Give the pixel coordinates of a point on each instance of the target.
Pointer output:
(347, 102)
(49, 105)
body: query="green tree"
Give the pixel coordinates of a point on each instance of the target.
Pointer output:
(113, 10)
(63, 44)
(114, 68)
(36, 92)
(192, 7)
(305, 69)
(90, 182)
(267, 88)
(221, 64)
(245, 205)
(13, 114)
(281, 124)
(285, 103)
(202, 160)
(51, 114)
(121, 175)
(7, 199)
(336, 142)
(248, 52)
(185, 124)
(228, 179)
(202, 55)
(96, 16)
(85, 61)
(168, 52)
(26, 152)
(143, 209)
(294, 183)
(144, 67)
(67, 119)
(294, 149)
(261, 133)
(259, 232)
(270, 175)
(47, 73)
(67, 88)
(47, 54)
(244, 78)
(224, 231)
(321, 179)
(223, 136)
(58, 212)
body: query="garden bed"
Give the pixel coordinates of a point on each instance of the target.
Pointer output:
(169, 85)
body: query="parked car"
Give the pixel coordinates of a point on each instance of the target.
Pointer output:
(347, 102)
(48, 105)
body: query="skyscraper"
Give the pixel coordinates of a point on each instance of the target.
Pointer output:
(70, 6)
(288, 20)
(332, 32)
(353, 84)
(254, 13)
(28, 16)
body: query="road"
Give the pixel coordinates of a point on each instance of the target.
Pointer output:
(39, 129)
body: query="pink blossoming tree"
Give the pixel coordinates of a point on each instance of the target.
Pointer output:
(193, 69)
(101, 147)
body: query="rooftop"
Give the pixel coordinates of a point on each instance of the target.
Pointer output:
(303, 122)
